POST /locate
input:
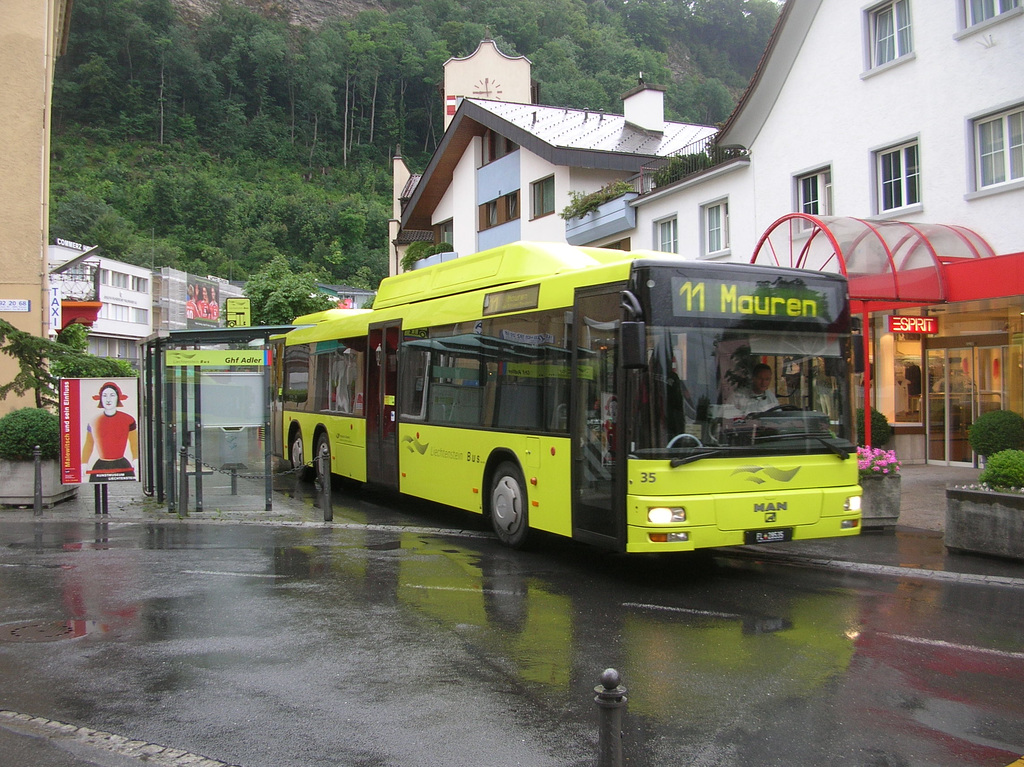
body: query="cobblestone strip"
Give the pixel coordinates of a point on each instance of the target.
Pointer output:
(150, 753)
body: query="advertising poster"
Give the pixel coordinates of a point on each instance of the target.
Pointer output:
(202, 303)
(99, 430)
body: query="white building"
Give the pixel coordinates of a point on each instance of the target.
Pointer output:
(124, 293)
(889, 134)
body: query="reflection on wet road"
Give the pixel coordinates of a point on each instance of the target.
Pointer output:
(393, 644)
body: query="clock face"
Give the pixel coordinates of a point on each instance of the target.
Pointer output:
(487, 88)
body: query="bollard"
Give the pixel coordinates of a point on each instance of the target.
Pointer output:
(37, 494)
(324, 480)
(611, 701)
(183, 482)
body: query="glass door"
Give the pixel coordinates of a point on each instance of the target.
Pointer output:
(962, 384)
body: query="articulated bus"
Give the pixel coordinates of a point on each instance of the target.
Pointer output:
(588, 393)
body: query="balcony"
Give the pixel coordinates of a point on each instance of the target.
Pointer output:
(691, 160)
(610, 218)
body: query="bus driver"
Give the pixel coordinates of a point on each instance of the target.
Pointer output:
(758, 397)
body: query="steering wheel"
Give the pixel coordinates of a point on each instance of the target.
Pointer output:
(684, 437)
(778, 409)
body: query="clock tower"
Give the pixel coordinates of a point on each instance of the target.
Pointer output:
(486, 73)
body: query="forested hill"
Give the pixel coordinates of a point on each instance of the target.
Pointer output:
(217, 136)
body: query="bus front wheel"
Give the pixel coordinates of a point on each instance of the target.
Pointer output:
(509, 516)
(323, 446)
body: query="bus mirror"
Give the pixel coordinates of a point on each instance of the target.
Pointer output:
(633, 347)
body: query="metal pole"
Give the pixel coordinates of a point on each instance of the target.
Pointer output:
(183, 482)
(197, 399)
(37, 494)
(324, 478)
(268, 446)
(611, 702)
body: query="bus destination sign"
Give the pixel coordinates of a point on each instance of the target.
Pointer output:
(780, 299)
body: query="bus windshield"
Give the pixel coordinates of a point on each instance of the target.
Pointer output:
(725, 391)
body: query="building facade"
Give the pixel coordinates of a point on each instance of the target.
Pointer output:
(32, 35)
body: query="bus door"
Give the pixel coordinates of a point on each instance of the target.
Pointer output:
(381, 413)
(597, 452)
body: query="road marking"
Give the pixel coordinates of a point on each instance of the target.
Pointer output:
(954, 646)
(687, 610)
(235, 574)
(460, 588)
(1018, 763)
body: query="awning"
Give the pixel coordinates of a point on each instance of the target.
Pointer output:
(889, 263)
(892, 264)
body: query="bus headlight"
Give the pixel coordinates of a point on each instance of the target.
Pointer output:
(852, 503)
(665, 515)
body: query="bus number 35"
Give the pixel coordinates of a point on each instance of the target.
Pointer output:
(647, 477)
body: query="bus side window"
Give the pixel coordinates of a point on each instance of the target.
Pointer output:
(412, 385)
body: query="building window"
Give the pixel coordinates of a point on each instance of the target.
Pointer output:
(499, 211)
(716, 228)
(889, 26)
(444, 232)
(140, 284)
(543, 197)
(497, 146)
(140, 316)
(899, 177)
(999, 142)
(668, 236)
(978, 11)
(814, 193)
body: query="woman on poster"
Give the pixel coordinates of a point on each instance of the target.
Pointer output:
(112, 434)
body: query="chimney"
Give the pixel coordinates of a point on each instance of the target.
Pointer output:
(644, 107)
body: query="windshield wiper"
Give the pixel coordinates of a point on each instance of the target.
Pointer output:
(839, 450)
(695, 457)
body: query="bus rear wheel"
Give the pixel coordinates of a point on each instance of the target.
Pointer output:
(509, 516)
(297, 455)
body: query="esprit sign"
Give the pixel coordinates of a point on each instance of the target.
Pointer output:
(920, 325)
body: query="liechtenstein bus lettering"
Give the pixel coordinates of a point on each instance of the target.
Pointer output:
(595, 394)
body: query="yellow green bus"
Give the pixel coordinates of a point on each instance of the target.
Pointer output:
(602, 395)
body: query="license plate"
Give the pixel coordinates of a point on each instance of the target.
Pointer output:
(769, 536)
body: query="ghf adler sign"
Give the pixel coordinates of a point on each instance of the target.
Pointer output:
(99, 430)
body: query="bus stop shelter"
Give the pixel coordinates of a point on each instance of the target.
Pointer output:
(206, 413)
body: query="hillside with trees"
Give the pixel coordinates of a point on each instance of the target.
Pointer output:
(214, 137)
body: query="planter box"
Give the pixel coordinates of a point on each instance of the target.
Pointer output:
(19, 480)
(610, 218)
(880, 502)
(985, 522)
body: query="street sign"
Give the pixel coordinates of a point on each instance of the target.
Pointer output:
(236, 312)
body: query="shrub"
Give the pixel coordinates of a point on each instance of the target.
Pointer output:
(1004, 469)
(881, 431)
(420, 250)
(21, 430)
(996, 431)
(581, 204)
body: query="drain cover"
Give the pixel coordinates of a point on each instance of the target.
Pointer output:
(49, 631)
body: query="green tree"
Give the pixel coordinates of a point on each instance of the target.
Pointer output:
(41, 362)
(279, 295)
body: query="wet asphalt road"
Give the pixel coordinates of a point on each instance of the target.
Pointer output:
(380, 642)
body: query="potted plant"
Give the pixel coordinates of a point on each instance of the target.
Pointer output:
(988, 517)
(20, 431)
(880, 482)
